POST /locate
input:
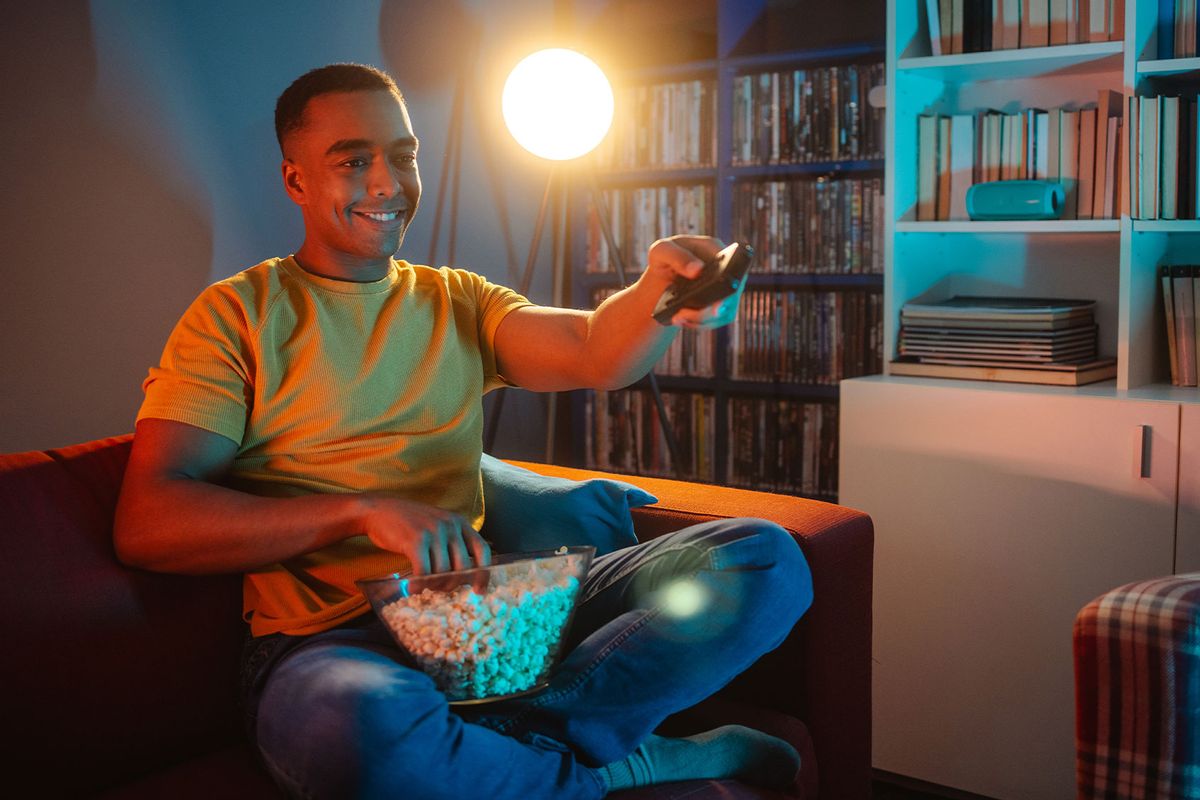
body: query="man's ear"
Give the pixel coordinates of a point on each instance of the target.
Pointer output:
(292, 181)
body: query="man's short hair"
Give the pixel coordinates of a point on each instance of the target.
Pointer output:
(289, 108)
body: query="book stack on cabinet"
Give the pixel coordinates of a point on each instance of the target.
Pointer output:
(1002, 508)
(780, 149)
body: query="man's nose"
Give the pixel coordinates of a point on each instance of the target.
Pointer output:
(383, 179)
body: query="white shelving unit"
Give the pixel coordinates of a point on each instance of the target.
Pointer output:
(1001, 509)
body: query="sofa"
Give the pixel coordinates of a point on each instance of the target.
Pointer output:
(121, 682)
(1137, 691)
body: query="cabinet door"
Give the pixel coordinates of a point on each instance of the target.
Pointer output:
(998, 514)
(1187, 553)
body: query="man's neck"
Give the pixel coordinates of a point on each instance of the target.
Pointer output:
(340, 267)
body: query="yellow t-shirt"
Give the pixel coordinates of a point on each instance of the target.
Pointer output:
(336, 386)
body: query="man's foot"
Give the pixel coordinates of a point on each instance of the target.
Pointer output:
(731, 751)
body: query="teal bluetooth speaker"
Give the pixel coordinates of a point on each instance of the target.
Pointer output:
(997, 200)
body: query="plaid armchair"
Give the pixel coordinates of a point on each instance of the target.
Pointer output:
(1137, 691)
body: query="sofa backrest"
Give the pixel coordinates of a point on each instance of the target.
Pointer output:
(111, 672)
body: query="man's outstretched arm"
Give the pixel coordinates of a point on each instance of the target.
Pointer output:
(555, 349)
(174, 516)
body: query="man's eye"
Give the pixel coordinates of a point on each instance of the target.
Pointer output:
(354, 163)
(407, 160)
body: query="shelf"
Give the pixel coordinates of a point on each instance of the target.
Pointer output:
(748, 171)
(825, 56)
(1012, 226)
(661, 175)
(1168, 67)
(760, 279)
(1011, 64)
(688, 383)
(1166, 226)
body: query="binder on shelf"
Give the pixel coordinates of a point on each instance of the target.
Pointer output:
(1035, 23)
(1108, 113)
(1165, 27)
(1168, 296)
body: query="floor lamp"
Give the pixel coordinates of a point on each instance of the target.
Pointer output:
(558, 105)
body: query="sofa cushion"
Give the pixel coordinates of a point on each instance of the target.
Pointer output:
(526, 511)
(118, 671)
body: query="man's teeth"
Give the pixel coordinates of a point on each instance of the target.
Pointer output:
(382, 216)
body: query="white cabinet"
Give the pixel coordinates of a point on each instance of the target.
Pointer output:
(999, 512)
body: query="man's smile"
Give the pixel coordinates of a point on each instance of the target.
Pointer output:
(383, 216)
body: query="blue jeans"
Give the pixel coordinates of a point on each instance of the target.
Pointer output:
(660, 626)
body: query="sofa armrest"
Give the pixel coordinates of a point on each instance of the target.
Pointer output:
(822, 673)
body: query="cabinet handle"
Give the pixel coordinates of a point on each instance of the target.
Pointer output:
(1141, 451)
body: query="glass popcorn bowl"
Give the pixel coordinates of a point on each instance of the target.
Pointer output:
(485, 633)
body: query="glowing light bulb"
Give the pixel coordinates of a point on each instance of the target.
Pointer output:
(557, 104)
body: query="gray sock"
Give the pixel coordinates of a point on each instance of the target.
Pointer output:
(731, 751)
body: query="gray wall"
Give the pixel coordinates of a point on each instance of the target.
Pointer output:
(140, 165)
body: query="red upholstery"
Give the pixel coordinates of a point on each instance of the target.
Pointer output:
(122, 682)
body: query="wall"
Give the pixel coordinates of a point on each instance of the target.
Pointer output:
(144, 167)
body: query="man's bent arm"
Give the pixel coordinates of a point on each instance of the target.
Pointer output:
(173, 516)
(553, 349)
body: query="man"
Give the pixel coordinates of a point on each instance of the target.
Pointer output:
(317, 419)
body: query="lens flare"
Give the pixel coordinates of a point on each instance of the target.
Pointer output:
(683, 598)
(557, 104)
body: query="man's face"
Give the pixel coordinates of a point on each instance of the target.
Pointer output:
(352, 168)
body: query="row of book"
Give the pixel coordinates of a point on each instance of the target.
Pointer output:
(624, 434)
(774, 444)
(783, 446)
(807, 337)
(1026, 339)
(662, 126)
(969, 26)
(639, 216)
(1181, 300)
(692, 353)
(807, 115)
(1079, 148)
(1164, 153)
(1177, 31)
(825, 226)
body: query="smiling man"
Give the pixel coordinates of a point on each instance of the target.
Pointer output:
(317, 419)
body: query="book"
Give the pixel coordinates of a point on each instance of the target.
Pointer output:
(927, 151)
(1112, 170)
(997, 24)
(1068, 161)
(1060, 375)
(1165, 41)
(933, 17)
(1058, 21)
(1011, 19)
(1133, 157)
(962, 160)
(1087, 163)
(1185, 323)
(943, 169)
(1100, 21)
(1168, 157)
(993, 308)
(956, 26)
(1035, 23)
(1108, 107)
(1168, 296)
(1148, 157)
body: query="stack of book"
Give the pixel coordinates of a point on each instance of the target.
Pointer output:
(1079, 148)
(1181, 299)
(1163, 158)
(1018, 339)
(968, 26)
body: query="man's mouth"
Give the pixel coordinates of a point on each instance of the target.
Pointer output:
(382, 216)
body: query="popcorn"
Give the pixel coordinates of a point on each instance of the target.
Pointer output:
(499, 642)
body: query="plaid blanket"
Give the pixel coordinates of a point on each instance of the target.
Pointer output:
(1137, 691)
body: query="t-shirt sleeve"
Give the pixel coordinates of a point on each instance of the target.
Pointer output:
(493, 303)
(205, 375)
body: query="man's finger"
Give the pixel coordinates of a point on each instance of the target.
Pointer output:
(460, 556)
(480, 549)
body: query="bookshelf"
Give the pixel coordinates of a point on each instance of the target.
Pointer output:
(1000, 508)
(788, 397)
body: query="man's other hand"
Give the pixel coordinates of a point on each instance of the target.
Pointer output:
(685, 256)
(433, 539)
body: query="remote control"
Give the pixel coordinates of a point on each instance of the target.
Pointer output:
(721, 277)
